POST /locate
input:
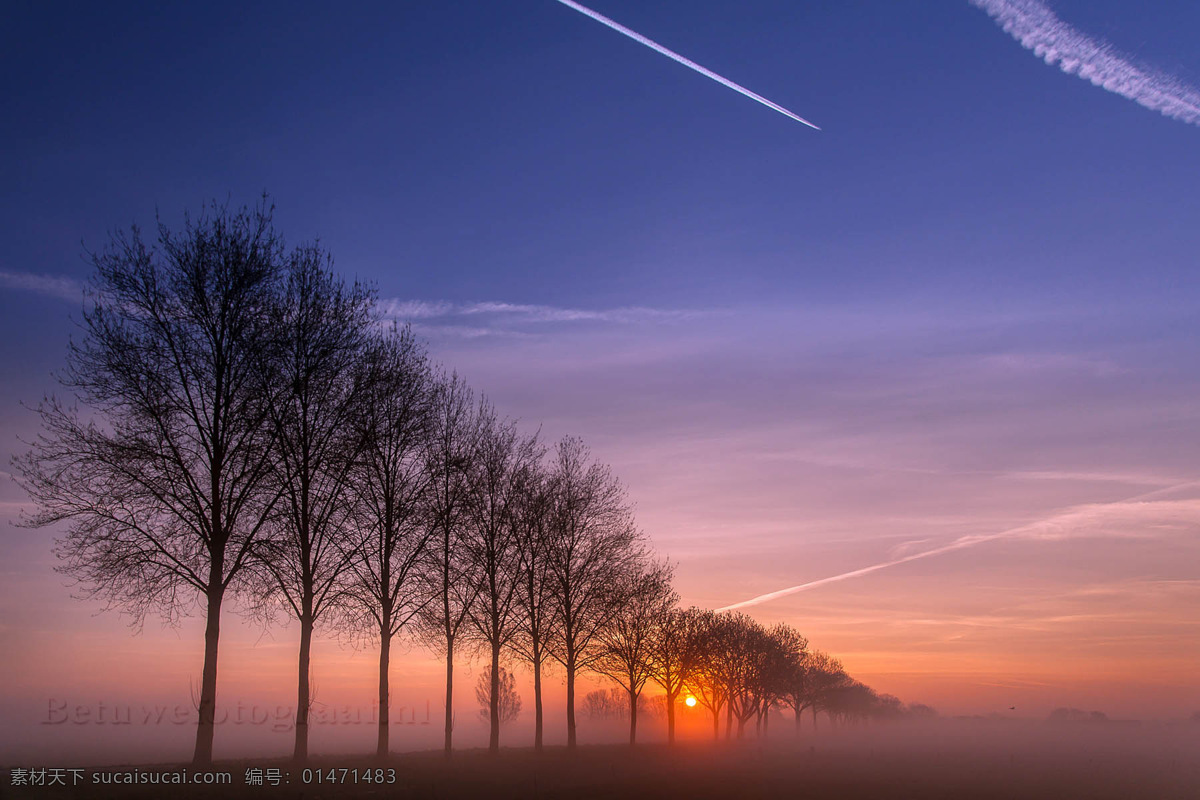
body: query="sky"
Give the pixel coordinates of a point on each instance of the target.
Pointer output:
(952, 333)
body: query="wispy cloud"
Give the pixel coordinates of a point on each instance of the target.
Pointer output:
(1134, 517)
(50, 285)
(474, 320)
(1018, 363)
(1037, 28)
(536, 313)
(465, 331)
(1092, 477)
(414, 309)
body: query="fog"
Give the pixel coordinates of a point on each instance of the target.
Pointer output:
(943, 757)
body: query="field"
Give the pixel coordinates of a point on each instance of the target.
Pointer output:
(953, 760)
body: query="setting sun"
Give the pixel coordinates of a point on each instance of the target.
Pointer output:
(689, 701)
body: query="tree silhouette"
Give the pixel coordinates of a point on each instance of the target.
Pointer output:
(537, 619)
(745, 644)
(784, 651)
(674, 646)
(853, 701)
(320, 329)
(498, 700)
(388, 540)
(501, 476)
(593, 543)
(817, 677)
(166, 479)
(603, 705)
(451, 455)
(707, 677)
(643, 598)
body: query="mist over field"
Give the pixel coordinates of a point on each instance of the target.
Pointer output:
(989, 758)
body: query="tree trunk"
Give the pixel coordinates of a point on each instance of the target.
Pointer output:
(633, 698)
(728, 719)
(799, 718)
(449, 745)
(202, 755)
(570, 702)
(537, 699)
(385, 654)
(814, 710)
(716, 723)
(671, 698)
(303, 699)
(494, 702)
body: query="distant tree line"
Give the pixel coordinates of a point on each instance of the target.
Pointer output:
(1075, 715)
(250, 426)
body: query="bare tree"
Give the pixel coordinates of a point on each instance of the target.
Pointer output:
(321, 329)
(452, 584)
(851, 701)
(498, 700)
(164, 481)
(387, 545)
(604, 705)
(784, 650)
(537, 617)
(707, 678)
(501, 475)
(643, 599)
(920, 711)
(593, 542)
(674, 657)
(812, 679)
(744, 642)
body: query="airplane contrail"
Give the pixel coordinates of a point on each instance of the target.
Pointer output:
(653, 45)
(1037, 28)
(958, 544)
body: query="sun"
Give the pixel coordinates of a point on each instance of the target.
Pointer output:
(689, 701)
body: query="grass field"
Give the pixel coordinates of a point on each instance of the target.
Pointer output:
(947, 761)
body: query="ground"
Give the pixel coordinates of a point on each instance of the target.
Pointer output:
(961, 761)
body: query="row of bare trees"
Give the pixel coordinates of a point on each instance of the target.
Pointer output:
(730, 664)
(249, 427)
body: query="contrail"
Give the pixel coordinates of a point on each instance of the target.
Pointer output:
(653, 45)
(960, 543)
(51, 285)
(1037, 28)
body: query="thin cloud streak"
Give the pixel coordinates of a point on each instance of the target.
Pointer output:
(460, 331)
(448, 317)
(671, 54)
(1054, 527)
(415, 309)
(1091, 477)
(1037, 28)
(49, 285)
(536, 313)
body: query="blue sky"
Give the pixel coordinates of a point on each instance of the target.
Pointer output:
(968, 303)
(520, 152)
